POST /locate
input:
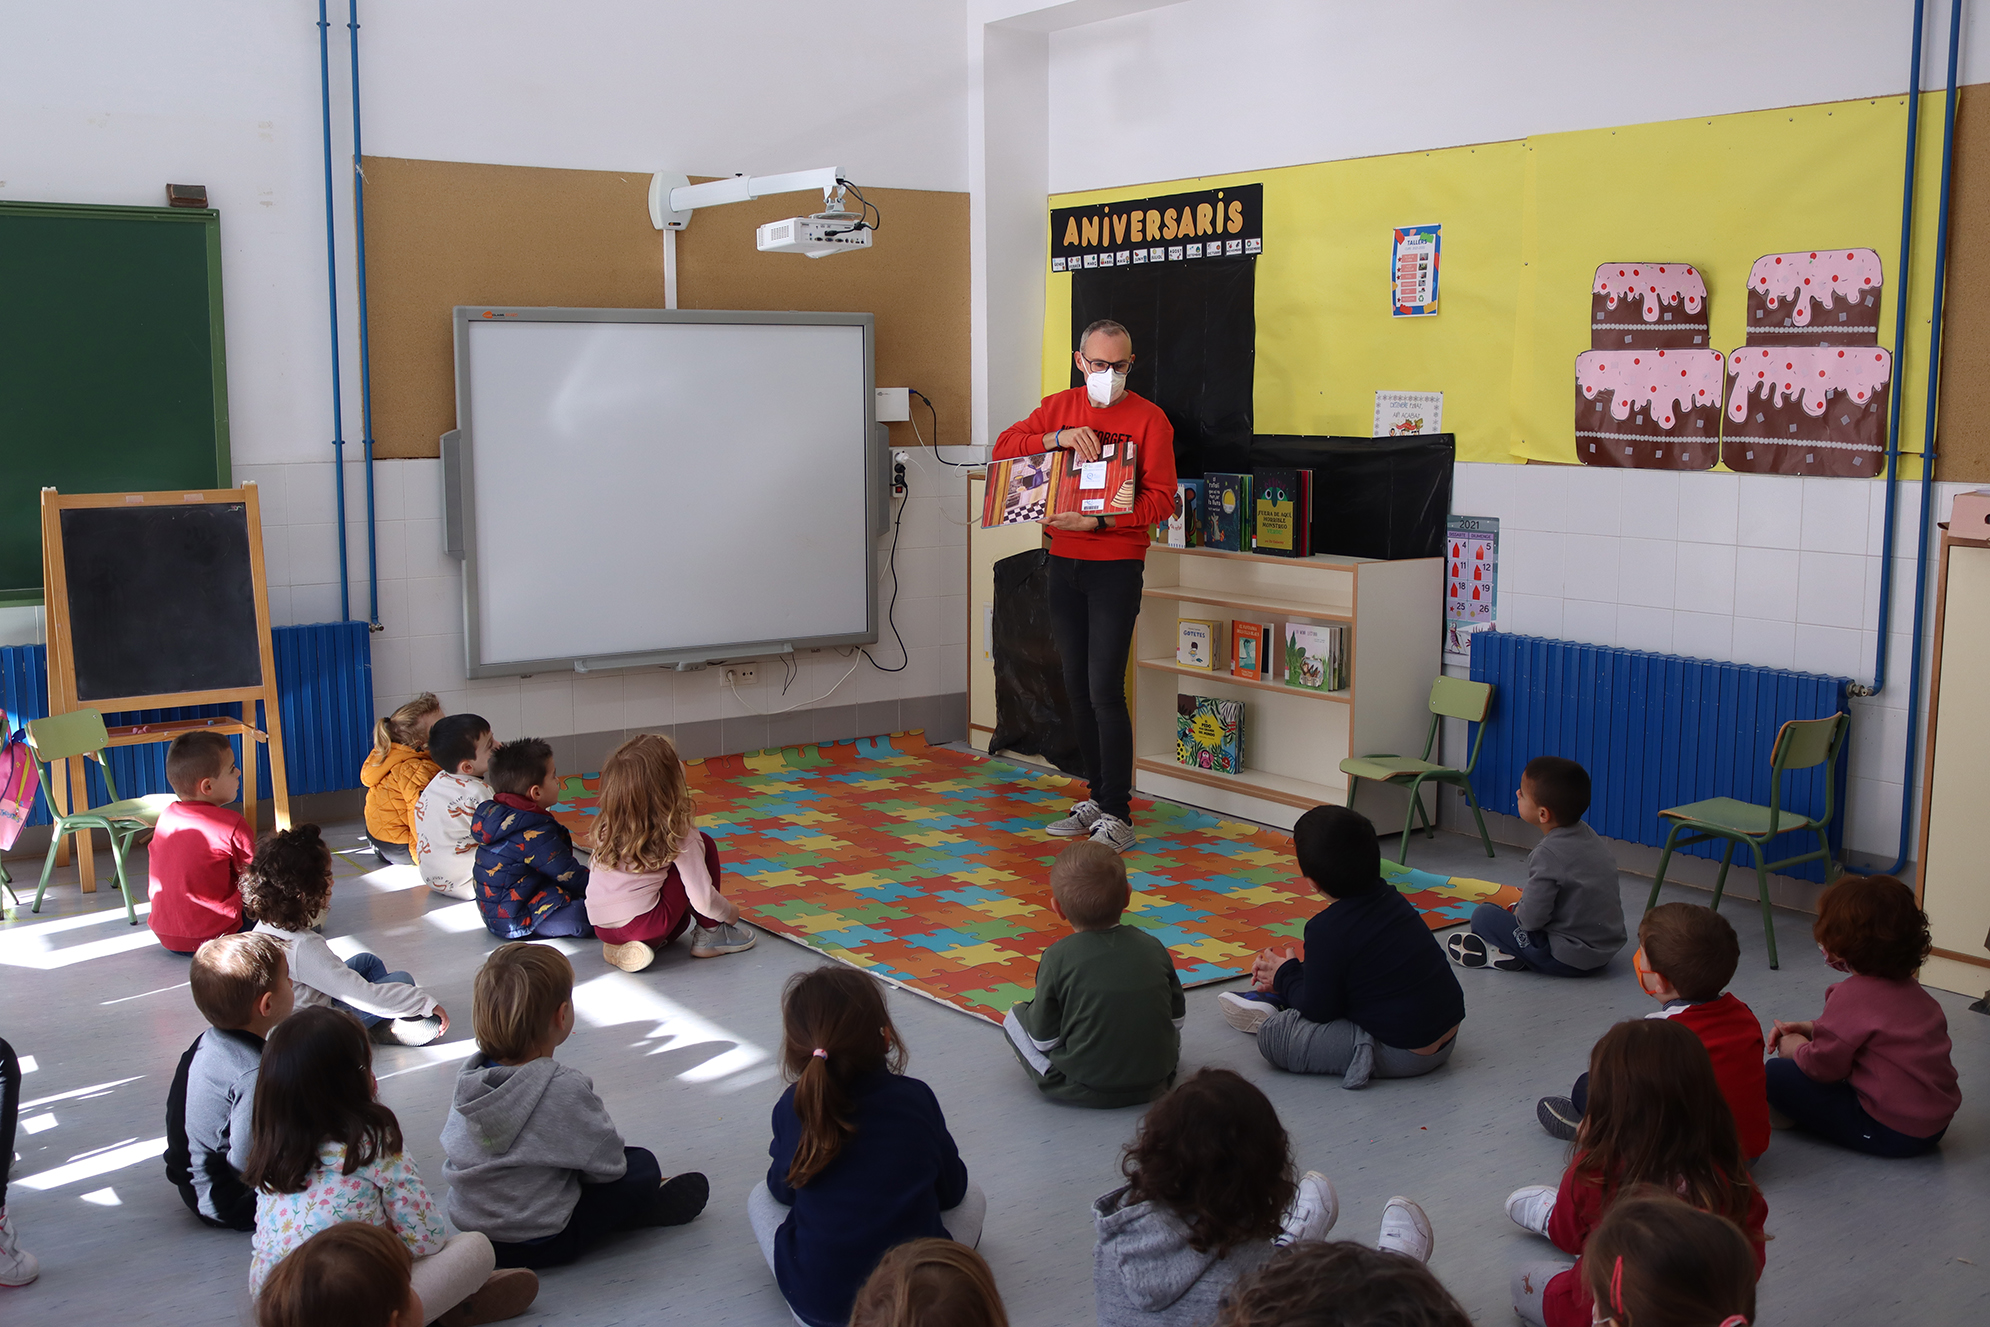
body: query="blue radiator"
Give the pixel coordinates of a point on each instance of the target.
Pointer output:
(324, 684)
(1653, 730)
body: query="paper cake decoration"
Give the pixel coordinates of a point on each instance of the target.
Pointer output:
(1648, 390)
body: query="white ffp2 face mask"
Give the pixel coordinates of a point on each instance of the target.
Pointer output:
(1102, 386)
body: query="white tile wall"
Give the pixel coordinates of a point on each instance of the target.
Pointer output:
(421, 608)
(1757, 569)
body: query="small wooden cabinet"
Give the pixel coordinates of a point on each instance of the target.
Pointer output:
(1954, 885)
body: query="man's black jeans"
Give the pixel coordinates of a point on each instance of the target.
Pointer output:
(1092, 609)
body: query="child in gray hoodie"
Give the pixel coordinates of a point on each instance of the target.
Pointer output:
(534, 1162)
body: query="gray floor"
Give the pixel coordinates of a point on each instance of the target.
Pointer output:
(682, 1055)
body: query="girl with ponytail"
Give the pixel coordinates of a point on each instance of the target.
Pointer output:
(862, 1157)
(395, 773)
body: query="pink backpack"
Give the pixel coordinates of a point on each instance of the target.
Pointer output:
(19, 779)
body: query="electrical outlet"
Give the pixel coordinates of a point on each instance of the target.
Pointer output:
(741, 675)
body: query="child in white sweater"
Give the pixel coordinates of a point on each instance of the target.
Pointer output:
(461, 746)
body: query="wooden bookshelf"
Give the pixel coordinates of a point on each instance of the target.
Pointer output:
(1232, 680)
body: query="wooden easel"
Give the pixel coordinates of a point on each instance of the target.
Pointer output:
(63, 692)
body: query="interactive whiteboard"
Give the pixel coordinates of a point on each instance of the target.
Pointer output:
(646, 486)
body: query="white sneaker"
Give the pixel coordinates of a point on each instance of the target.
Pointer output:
(725, 938)
(17, 1266)
(1313, 1212)
(408, 1031)
(1405, 1229)
(1078, 824)
(631, 957)
(1531, 1207)
(1243, 1013)
(1113, 832)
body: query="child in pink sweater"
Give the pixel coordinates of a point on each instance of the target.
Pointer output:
(1872, 1072)
(653, 872)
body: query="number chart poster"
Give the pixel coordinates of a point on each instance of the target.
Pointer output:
(1471, 583)
(1413, 270)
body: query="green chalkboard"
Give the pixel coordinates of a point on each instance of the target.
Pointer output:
(112, 369)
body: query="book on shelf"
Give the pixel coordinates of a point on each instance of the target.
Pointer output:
(1197, 642)
(1209, 734)
(1283, 512)
(1316, 656)
(1247, 650)
(1030, 488)
(1184, 527)
(1226, 512)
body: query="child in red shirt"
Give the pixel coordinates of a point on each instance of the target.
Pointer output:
(1655, 1117)
(1687, 955)
(200, 847)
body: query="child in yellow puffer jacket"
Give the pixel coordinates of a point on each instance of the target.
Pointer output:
(394, 775)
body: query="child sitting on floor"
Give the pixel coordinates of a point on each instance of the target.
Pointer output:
(534, 1161)
(653, 873)
(862, 1157)
(288, 885)
(1105, 1026)
(528, 880)
(353, 1274)
(1343, 1284)
(1654, 1261)
(1373, 997)
(200, 846)
(394, 775)
(327, 1151)
(930, 1283)
(1686, 957)
(461, 746)
(1872, 1072)
(241, 985)
(1569, 921)
(1210, 1196)
(1655, 1116)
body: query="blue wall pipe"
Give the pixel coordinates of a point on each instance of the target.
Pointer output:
(365, 368)
(1899, 354)
(332, 289)
(1928, 453)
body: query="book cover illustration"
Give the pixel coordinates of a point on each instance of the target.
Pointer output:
(1226, 512)
(1315, 657)
(1247, 650)
(1197, 642)
(1104, 487)
(1020, 489)
(1209, 734)
(1185, 522)
(1284, 512)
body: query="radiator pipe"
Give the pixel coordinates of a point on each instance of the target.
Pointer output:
(332, 290)
(1899, 354)
(1925, 517)
(359, 235)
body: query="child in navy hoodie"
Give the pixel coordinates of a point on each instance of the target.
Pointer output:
(528, 880)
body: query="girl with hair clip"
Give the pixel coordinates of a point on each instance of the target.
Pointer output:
(653, 873)
(395, 772)
(863, 1161)
(1654, 1261)
(324, 1150)
(930, 1283)
(1655, 1116)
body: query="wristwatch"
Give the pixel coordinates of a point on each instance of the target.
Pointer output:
(1102, 526)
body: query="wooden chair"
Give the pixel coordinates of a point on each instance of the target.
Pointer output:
(1450, 698)
(1800, 744)
(81, 733)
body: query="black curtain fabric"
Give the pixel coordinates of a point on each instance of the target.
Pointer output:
(1032, 710)
(1372, 497)
(1195, 332)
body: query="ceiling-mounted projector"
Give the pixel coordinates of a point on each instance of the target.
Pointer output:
(813, 237)
(832, 230)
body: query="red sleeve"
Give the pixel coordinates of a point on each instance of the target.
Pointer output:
(242, 847)
(1024, 438)
(1578, 1207)
(1154, 491)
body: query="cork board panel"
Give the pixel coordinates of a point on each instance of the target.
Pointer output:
(1964, 424)
(443, 233)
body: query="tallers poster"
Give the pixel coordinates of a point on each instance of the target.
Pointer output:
(1413, 264)
(1471, 580)
(1174, 228)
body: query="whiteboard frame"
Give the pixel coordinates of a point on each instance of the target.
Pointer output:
(459, 483)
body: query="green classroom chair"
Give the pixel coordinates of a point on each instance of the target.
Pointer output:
(1800, 744)
(1450, 698)
(61, 737)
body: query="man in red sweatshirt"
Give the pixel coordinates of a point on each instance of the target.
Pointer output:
(1096, 564)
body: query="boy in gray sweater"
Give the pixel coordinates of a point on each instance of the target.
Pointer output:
(240, 984)
(534, 1162)
(1569, 921)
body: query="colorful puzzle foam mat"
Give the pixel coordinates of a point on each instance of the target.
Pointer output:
(930, 867)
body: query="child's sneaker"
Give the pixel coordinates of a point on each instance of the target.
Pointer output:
(505, 1293)
(632, 957)
(1079, 823)
(1472, 951)
(1405, 1229)
(1559, 1117)
(1313, 1212)
(408, 1031)
(1113, 832)
(1531, 1207)
(680, 1198)
(17, 1266)
(725, 938)
(1245, 1010)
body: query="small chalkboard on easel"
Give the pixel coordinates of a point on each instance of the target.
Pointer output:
(157, 601)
